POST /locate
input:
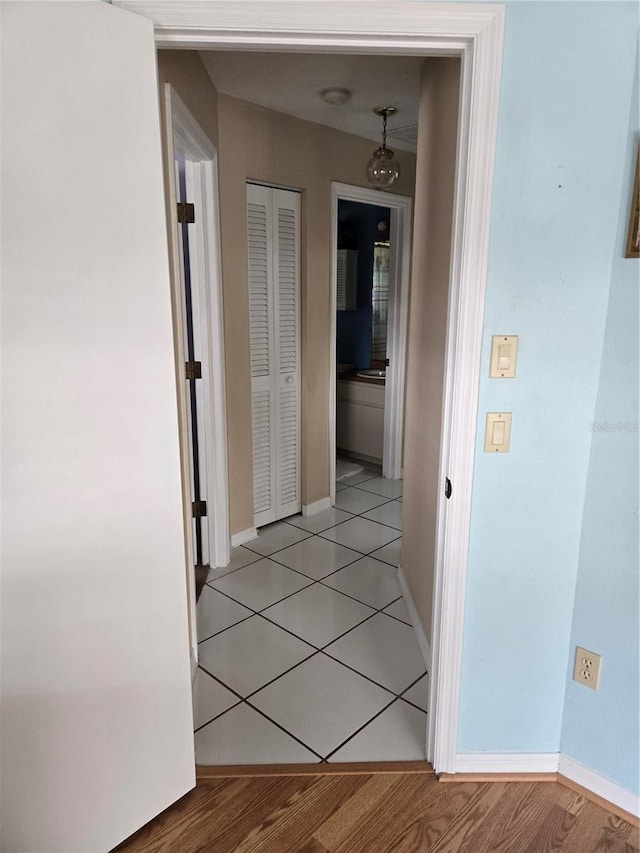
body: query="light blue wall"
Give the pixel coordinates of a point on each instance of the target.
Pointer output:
(606, 606)
(562, 139)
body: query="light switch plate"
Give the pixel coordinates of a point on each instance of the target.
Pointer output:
(497, 436)
(504, 353)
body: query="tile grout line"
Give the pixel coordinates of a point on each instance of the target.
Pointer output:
(362, 728)
(312, 580)
(288, 631)
(253, 612)
(310, 534)
(261, 612)
(398, 697)
(318, 580)
(360, 554)
(386, 500)
(244, 701)
(317, 650)
(368, 677)
(324, 759)
(242, 698)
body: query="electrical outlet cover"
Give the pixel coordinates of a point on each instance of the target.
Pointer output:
(586, 669)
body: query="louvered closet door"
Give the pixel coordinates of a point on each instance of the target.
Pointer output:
(274, 306)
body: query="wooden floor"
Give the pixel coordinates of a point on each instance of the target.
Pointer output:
(382, 813)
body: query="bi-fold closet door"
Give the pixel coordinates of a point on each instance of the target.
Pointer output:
(273, 227)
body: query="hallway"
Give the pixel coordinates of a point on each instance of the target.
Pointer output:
(306, 651)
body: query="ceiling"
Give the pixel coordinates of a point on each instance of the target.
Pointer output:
(291, 83)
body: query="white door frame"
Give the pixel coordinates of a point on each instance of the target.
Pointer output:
(183, 134)
(400, 240)
(474, 32)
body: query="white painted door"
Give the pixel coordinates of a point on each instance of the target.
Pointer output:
(273, 228)
(96, 706)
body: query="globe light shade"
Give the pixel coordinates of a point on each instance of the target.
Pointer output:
(383, 170)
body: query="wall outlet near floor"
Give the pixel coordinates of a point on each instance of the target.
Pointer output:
(587, 668)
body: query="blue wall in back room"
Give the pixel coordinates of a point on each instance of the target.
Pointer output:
(357, 229)
(606, 606)
(561, 178)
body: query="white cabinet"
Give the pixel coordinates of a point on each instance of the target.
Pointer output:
(273, 231)
(360, 418)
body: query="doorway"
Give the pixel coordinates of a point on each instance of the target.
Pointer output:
(193, 373)
(191, 170)
(475, 36)
(373, 329)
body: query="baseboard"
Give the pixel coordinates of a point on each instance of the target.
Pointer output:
(498, 777)
(572, 773)
(546, 767)
(423, 642)
(316, 507)
(244, 536)
(506, 762)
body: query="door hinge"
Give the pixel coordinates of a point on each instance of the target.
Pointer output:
(186, 212)
(199, 509)
(193, 369)
(447, 488)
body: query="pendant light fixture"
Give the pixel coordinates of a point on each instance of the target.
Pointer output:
(383, 170)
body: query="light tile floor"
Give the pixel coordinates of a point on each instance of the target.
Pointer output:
(306, 650)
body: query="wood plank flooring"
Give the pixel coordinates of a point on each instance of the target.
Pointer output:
(381, 813)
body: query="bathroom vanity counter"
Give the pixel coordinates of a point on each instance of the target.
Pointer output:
(360, 416)
(352, 376)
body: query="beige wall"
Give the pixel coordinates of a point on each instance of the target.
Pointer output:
(188, 76)
(273, 148)
(435, 173)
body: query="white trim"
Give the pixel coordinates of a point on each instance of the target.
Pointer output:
(181, 395)
(399, 27)
(244, 536)
(549, 762)
(202, 162)
(398, 316)
(506, 762)
(477, 128)
(421, 637)
(400, 240)
(316, 507)
(599, 785)
(188, 136)
(473, 31)
(193, 657)
(333, 367)
(197, 265)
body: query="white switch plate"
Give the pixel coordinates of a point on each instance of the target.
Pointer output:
(586, 669)
(497, 436)
(504, 353)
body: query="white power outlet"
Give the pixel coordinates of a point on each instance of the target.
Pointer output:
(587, 668)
